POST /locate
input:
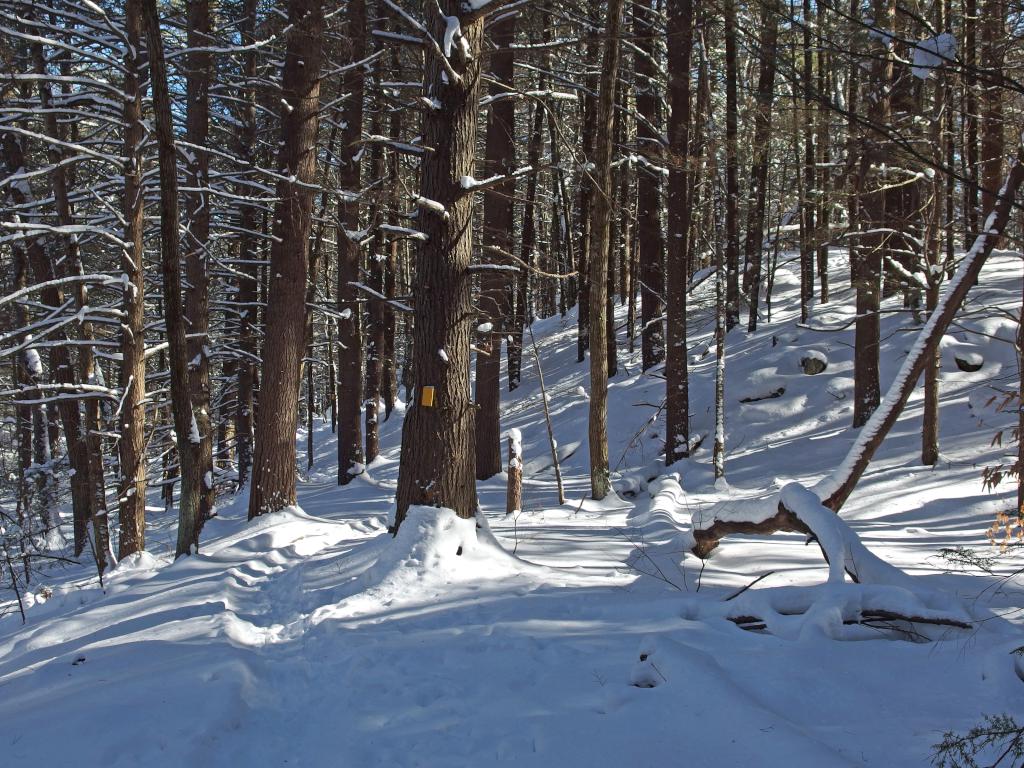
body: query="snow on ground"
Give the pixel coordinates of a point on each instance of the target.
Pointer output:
(580, 634)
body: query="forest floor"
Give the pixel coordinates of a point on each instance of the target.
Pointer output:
(313, 638)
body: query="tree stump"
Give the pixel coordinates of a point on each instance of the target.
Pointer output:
(514, 498)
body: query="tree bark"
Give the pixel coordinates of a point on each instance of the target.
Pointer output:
(181, 401)
(131, 492)
(601, 197)
(808, 247)
(759, 168)
(376, 263)
(199, 70)
(528, 248)
(650, 237)
(247, 252)
(274, 475)
(350, 342)
(438, 435)
(993, 42)
(61, 177)
(873, 244)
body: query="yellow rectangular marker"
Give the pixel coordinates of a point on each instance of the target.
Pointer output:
(427, 397)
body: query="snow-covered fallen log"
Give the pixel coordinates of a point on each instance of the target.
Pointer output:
(880, 596)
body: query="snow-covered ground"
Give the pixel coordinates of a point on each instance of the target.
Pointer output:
(573, 635)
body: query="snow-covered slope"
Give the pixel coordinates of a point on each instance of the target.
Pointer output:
(572, 635)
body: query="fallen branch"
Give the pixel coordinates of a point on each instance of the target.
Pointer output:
(756, 623)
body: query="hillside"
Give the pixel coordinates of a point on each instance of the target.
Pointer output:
(583, 634)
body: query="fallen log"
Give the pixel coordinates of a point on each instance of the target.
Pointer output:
(866, 617)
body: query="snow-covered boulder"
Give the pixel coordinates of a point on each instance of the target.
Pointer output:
(968, 362)
(813, 362)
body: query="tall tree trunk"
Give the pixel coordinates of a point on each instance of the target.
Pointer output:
(131, 492)
(61, 178)
(199, 69)
(528, 251)
(438, 435)
(588, 132)
(873, 244)
(934, 258)
(389, 384)
(808, 247)
(970, 150)
(61, 368)
(247, 252)
(601, 198)
(315, 259)
(677, 390)
(181, 402)
(721, 328)
(824, 170)
(762, 139)
(650, 237)
(617, 218)
(350, 343)
(495, 307)
(993, 44)
(732, 186)
(376, 264)
(274, 474)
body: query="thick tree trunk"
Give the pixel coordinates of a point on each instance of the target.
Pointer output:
(274, 474)
(438, 435)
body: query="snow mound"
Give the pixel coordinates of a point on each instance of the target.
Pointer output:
(434, 548)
